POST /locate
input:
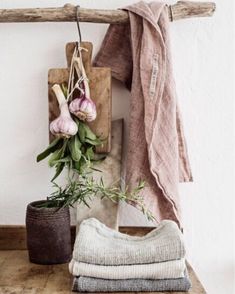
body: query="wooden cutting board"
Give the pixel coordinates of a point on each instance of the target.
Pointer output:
(100, 87)
(104, 209)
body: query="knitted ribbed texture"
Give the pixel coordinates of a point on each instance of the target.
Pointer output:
(48, 234)
(98, 244)
(172, 269)
(87, 284)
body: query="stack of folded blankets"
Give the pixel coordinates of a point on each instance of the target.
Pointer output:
(105, 260)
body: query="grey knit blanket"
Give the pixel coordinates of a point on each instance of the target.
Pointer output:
(97, 244)
(87, 284)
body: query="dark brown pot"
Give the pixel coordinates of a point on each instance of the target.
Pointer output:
(48, 234)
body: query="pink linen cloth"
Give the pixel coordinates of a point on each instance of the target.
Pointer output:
(139, 56)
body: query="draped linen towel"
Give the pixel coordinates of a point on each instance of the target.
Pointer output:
(172, 269)
(139, 56)
(88, 284)
(97, 244)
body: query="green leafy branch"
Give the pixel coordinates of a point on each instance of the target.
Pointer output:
(85, 188)
(76, 152)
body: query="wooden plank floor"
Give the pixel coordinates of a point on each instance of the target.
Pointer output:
(19, 276)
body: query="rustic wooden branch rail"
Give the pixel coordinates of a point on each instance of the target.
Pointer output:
(180, 10)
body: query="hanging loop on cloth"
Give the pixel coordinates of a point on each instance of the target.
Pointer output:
(78, 24)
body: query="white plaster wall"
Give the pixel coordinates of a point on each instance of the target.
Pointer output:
(203, 53)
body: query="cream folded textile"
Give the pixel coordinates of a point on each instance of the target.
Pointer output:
(172, 269)
(97, 244)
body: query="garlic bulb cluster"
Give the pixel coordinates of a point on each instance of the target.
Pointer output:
(64, 125)
(82, 107)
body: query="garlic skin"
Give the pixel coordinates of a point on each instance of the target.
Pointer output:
(63, 125)
(83, 108)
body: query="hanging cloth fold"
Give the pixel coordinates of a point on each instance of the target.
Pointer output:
(139, 56)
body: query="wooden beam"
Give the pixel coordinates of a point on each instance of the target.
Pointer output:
(180, 10)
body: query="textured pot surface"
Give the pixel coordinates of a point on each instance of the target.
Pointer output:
(48, 234)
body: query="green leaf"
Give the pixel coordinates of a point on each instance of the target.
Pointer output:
(50, 149)
(89, 134)
(64, 160)
(96, 169)
(74, 147)
(65, 90)
(90, 153)
(84, 201)
(57, 155)
(93, 142)
(82, 164)
(77, 165)
(81, 132)
(59, 168)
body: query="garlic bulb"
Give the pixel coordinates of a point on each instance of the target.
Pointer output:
(83, 107)
(63, 126)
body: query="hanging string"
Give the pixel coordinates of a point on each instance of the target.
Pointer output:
(71, 85)
(77, 64)
(78, 25)
(78, 67)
